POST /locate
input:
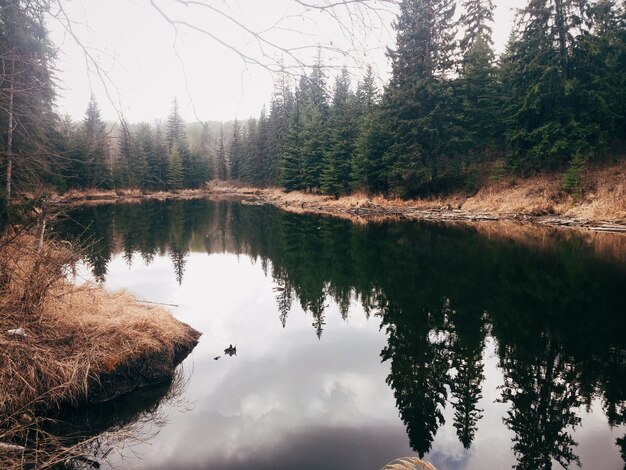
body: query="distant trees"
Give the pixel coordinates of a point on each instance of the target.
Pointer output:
(97, 155)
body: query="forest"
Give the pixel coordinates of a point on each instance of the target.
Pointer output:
(451, 113)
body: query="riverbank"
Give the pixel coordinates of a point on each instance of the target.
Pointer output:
(600, 207)
(63, 344)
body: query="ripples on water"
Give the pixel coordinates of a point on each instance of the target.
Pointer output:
(475, 346)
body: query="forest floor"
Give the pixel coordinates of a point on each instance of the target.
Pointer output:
(62, 344)
(601, 206)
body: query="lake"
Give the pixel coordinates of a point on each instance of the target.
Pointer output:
(484, 346)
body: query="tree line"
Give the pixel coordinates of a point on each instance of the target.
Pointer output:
(554, 100)
(451, 112)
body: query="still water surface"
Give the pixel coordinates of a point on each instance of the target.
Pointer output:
(357, 345)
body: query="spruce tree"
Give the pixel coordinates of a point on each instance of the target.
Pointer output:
(476, 21)
(235, 155)
(175, 170)
(336, 171)
(27, 117)
(544, 127)
(478, 83)
(290, 158)
(221, 165)
(419, 101)
(99, 165)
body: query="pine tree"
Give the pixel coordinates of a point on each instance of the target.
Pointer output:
(175, 170)
(290, 157)
(235, 155)
(122, 173)
(336, 172)
(263, 165)
(419, 101)
(145, 157)
(99, 164)
(478, 84)
(281, 108)
(545, 129)
(367, 93)
(221, 165)
(476, 21)
(176, 135)
(27, 118)
(314, 109)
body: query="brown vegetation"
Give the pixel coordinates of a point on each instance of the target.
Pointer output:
(62, 344)
(600, 206)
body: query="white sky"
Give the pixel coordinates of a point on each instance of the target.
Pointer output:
(134, 46)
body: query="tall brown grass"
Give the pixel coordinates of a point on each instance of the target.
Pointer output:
(78, 344)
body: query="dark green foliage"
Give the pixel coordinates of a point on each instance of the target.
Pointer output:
(337, 163)
(221, 165)
(27, 118)
(555, 98)
(235, 155)
(98, 162)
(175, 170)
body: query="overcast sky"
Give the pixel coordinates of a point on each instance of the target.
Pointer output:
(213, 66)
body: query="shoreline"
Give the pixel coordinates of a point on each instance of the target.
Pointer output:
(537, 200)
(64, 345)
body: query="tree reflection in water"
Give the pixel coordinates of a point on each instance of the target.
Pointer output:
(553, 306)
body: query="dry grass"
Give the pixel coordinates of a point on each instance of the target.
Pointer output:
(409, 463)
(603, 199)
(77, 339)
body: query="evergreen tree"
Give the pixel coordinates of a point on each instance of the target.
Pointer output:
(122, 173)
(27, 118)
(176, 135)
(313, 99)
(97, 151)
(419, 102)
(369, 171)
(262, 164)
(336, 172)
(281, 108)
(221, 169)
(175, 170)
(290, 158)
(235, 155)
(545, 125)
(476, 20)
(145, 156)
(250, 152)
(159, 167)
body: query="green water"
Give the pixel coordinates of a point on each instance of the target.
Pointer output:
(361, 344)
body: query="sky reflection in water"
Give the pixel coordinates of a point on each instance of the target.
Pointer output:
(291, 400)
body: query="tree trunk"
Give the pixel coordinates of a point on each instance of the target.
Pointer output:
(10, 132)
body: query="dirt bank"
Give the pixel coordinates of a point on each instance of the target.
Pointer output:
(63, 344)
(600, 207)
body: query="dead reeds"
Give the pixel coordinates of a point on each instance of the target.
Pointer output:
(62, 344)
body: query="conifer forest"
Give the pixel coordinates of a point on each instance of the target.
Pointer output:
(555, 99)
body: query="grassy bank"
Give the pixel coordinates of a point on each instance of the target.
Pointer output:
(600, 204)
(62, 344)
